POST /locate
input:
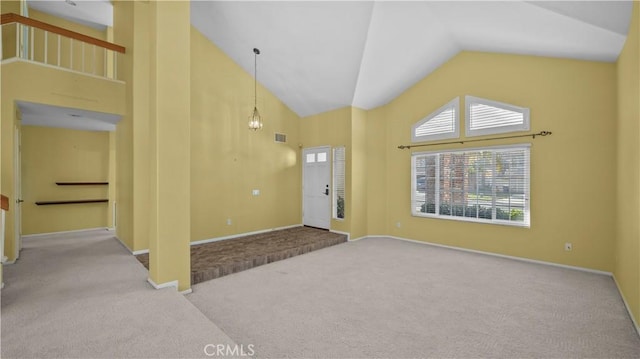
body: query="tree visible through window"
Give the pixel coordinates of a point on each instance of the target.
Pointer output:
(486, 184)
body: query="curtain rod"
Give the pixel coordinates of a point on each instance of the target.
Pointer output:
(533, 135)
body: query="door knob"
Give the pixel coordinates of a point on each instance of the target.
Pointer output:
(19, 200)
(326, 190)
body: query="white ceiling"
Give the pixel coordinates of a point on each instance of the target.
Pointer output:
(95, 13)
(319, 56)
(35, 114)
(322, 55)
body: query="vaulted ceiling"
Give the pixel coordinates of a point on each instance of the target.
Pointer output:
(322, 55)
(319, 56)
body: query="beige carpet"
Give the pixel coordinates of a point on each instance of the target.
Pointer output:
(83, 295)
(394, 299)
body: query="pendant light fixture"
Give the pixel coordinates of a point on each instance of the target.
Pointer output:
(255, 121)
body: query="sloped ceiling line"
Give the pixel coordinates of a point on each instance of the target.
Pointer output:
(364, 51)
(590, 14)
(323, 55)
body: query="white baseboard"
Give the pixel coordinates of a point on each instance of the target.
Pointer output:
(521, 259)
(340, 232)
(38, 235)
(582, 269)
(216, 239)
(123, 244)
(6, 262)
(171, 284)
(224, 238)
(357, 239)
(135, 253)
(626, 305)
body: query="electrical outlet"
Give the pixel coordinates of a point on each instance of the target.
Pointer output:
(398, 224)
(229, 221)
(255, 192)
(568, 247)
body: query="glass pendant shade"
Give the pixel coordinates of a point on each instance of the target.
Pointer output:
(255, 121)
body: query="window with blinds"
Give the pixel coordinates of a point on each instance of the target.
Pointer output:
(480, 185)
(486, 117)
(338, 182)
(439, 125)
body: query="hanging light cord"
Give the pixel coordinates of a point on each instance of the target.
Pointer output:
(255, 77)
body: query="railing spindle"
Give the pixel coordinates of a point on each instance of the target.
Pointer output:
(25, 47)
(82, 54)
(105, 62)
(31, 44)
(18, 40)
(1, 47)
(46, 46)
(58, 64)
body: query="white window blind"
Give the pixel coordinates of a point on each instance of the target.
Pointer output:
(338, 182)
(440, 124)
(479, 185)
(486, 117)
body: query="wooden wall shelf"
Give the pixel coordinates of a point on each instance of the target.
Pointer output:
(82, 183)
(47, 203)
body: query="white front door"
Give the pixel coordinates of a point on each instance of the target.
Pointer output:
(316, 196)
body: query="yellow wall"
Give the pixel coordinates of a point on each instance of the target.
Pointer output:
(39, 84)
(358, 178)
(52, 155)
(345, 127)
(333, 129)
(66, 24)
(572, 170)
(112, 179)
(627, 268)
(376, 170)
(228, 160)
(132, 137)
(9, 31)
(169, 132)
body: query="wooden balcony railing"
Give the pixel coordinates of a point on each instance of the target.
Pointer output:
(31, 40)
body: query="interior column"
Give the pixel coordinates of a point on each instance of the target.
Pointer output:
(169, 255)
